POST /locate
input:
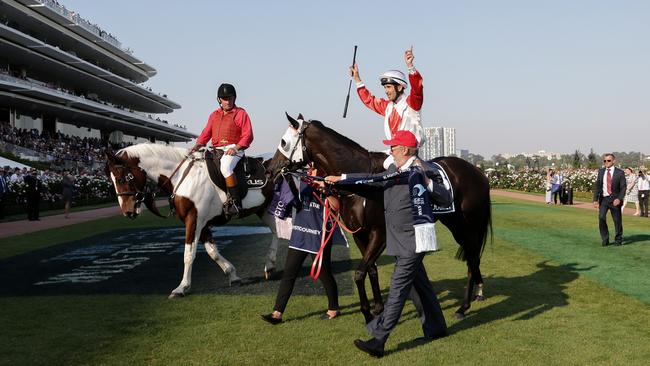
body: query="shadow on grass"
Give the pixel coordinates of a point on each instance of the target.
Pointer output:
(636, 238)
(525, 297)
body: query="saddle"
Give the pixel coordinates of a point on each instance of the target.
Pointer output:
(250, 172)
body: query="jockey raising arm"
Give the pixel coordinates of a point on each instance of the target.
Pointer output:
(230, 129)
(400, 111)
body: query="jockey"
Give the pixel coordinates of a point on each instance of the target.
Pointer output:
(230, 129)
(400, 111)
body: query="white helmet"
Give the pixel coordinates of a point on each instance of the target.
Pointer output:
(394, 77)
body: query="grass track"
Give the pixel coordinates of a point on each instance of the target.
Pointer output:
(554, 298)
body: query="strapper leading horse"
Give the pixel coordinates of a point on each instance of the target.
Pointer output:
(361, 208)
(198, 203)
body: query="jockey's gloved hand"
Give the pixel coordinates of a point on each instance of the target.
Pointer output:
(196, 148)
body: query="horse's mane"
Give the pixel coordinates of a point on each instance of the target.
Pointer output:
(338, 136)
(162, 152)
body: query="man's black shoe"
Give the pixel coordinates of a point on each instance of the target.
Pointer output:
(425, 339)
(605, 243)
(374, 347)
(618, 243)
(270, 319)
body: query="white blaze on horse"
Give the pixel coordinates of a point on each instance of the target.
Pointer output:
(197, 201)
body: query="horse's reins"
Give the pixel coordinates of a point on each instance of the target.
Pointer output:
(172, 207)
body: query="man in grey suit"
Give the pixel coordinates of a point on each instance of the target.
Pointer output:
(409, 276)
(609, 193)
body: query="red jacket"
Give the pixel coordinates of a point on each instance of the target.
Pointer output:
(414, 101)
(225, 128)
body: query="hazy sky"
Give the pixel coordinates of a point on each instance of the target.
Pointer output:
(510, 76)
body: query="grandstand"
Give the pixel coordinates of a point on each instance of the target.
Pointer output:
(63, 76)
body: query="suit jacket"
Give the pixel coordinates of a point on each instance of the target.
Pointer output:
(400, 234)
(619, 184)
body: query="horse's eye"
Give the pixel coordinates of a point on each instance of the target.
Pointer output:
(120, 180)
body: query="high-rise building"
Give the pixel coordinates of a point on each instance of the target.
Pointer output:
(62, 73)
(440, 141)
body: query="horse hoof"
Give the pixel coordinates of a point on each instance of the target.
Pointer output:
(459, 316)
(269, 273)
(236, 282)
(175, 295)
(479, 298)
(377, 311)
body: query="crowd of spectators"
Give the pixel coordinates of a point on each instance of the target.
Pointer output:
(64, 150)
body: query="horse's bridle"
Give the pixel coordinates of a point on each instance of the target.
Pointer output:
(301, 141)
(134, 191)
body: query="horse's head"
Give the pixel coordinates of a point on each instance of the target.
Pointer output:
(292, 150)
(129, 181)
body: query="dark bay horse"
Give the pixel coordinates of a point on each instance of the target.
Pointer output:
(362, 208)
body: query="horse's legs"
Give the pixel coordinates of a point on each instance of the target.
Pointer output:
(272, 253)
(210, 247)
(188, 260)
(360, 281)
(360, 277)
(376, 291)
(374, 249)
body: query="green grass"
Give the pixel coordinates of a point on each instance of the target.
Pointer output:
(554, 297)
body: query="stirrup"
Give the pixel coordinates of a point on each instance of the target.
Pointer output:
(231, 209)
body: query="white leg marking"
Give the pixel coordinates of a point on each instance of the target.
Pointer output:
(227, 267)
(188, 260)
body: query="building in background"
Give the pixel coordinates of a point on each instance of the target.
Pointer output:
(62, 73)
(440, 141)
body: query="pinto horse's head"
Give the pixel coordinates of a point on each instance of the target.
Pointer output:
(291, 152)
(129, 181)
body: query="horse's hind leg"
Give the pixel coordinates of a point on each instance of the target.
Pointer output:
(211, 248)
(473, 278)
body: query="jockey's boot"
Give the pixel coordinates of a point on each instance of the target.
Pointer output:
(233, 209)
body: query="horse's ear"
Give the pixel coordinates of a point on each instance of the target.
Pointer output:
(300, 117)
(110, 157)
(295, 124)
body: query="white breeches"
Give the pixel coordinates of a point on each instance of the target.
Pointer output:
(229, 162)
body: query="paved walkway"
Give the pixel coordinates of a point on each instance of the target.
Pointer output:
(48, 222)
(538, 198)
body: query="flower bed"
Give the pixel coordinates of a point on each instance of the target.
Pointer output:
(582, 180)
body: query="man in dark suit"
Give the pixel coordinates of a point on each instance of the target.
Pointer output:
(4, 190)
(409, 277)
(609, 193)
(34, 189)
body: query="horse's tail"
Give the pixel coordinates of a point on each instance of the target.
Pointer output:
(484, 231)
(488, 226)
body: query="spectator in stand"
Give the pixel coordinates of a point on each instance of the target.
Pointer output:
(632, 190)
(644, 190)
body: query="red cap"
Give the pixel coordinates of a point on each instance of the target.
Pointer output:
(402, 138)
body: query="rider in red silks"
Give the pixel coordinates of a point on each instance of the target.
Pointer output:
(230, 130)
(400, 111)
